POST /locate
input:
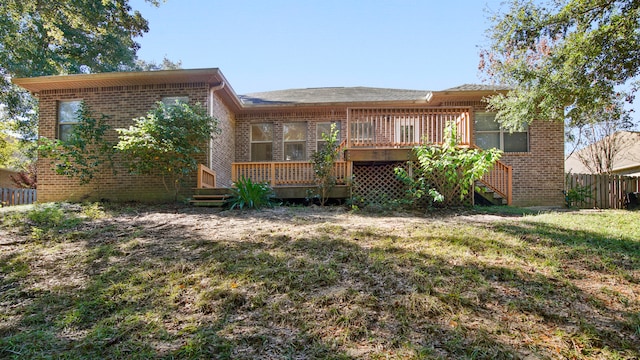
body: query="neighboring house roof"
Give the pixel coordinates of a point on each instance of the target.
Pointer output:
(334, 95)
(627, 161)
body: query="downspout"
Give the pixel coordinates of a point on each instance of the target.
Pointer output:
(212, 91)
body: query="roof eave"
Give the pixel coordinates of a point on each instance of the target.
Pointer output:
(211, 76)
(292, 105)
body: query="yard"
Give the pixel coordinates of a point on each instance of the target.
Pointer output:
(99, 281)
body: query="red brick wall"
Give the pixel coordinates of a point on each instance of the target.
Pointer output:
(278, 118)
(121, 104)
(538, 176)
(222, 147)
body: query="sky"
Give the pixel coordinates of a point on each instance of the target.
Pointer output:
(263, 45)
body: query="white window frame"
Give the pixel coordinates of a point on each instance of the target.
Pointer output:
(502, 132)
(171, 100)
(319, 139)
(71, 122)
(286, 142)
(252, 141)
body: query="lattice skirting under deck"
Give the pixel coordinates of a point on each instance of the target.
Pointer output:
(377, 184)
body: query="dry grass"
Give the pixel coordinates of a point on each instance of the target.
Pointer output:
(302, 283)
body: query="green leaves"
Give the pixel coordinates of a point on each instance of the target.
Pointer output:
(246, 193)
(323, 161)
(446, 172)
(61, 37)
(563, 59)
(83, 155)
(167, 141)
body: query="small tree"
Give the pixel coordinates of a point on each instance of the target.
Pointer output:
(86, 153)
(323, 163)
(166, 142)
(446, 170)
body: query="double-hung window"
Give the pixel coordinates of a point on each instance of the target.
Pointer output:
(67, 118)
(325, 128)
(489, 134)
(294, 137)
(262, 142)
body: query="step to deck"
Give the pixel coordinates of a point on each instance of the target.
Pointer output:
(489, 195)
(212, 197)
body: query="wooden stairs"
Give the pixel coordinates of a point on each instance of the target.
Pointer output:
(488, 194)
(212, 197)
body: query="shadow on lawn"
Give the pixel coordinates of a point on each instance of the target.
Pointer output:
(158, 290)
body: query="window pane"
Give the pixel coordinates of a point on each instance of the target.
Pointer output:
(67, 111)
(172, 100)
(488, 140)
(294, 151)
(294, 131)
(261, 151)
(64, 132)
(486, 121)
(516, 142)
(261, 132)
(325, 128)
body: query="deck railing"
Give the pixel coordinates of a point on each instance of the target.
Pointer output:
(286, 172)
(206, 177)
(405, 127)
(499, 180)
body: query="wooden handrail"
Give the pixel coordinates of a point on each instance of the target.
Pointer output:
(285, 172)
(405, 127)
(206, 177)
(499, 179)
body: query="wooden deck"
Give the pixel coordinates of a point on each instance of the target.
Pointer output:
(373, 135)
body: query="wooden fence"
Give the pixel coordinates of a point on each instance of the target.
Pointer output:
(10, 197)
(607, 191)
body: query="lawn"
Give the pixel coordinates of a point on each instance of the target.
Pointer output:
(94, 281)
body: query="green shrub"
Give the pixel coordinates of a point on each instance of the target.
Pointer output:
(246, 193)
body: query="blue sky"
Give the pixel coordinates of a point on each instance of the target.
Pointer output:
(282, 44)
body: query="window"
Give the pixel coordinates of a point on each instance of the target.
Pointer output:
(294, 136)
(261, 142)
(67, 118)
(172, 100)
(489, 135)
(325, 128)
(361, 131)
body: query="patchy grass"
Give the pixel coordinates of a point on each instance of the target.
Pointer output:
(89, 282)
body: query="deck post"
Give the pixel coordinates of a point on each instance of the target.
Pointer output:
(199, 177)
(348, 128)
(509, 185)
(273, 174)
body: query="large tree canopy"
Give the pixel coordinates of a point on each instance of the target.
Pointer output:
(61, 37)
(564, 59)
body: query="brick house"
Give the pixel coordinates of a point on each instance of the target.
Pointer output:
(270, 136)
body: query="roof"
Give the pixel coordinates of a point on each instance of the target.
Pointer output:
(627, 160)
(278, 98)
(211, 76)
(478, 87)
(334, 95)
